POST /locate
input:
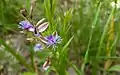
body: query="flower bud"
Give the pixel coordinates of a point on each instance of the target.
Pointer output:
(23, 12)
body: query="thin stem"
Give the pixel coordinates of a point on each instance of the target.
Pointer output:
(89, 43)
(35, 67)
(104, 33)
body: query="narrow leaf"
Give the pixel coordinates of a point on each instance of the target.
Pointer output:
(115, 68)
(67, 44)
(76, 69)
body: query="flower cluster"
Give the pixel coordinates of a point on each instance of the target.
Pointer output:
(50, 40)
(37, 29)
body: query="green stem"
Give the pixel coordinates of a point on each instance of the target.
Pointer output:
(104, 33)
(89, 43)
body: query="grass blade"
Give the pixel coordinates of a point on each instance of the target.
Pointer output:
(89, 43)
(17, 56)
(104, 32)
(66, 45)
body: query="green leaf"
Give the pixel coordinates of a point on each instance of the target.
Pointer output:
(2, 55)
(28, 4)
(115, 68)
(104, 32)
(67, 18)
(66, 45)
(90, 39)
(76, 69)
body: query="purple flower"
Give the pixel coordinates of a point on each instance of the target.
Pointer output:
(38, 28)
(26, 25)
(38, 47)
(51, 40)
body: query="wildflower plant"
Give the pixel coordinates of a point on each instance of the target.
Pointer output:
(41, 42)
(47, 50)
(50, 40)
